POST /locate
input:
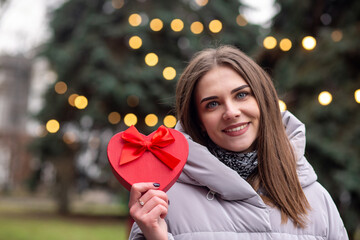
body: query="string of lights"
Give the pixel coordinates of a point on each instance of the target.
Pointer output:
(169, 73)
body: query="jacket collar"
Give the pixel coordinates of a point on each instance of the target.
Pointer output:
(204, 169)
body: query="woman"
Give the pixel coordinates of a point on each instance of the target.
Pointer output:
(243, 178)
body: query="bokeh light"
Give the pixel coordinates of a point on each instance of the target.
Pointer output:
(41, 131)
(215, 26)
(132, 100)
(52, 126)
(269, 42)
(60, 87)
(170, 121)
(177, 25)
(81, 102)
(156, 24)
(114, 117)
(325, 98)
(285, 44)
(241, 20)
(71, 99)
(309, 43)
(135, 42)
(357, 96)
(117, 4)
(130, 119)
(151, 120)
(135, 20)
(196, 27)
(70, 137)
(201, 3)
(282, 105)
(169, 73)
(336, 35)
(151, 59)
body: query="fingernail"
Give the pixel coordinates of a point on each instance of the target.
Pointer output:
(156, 184)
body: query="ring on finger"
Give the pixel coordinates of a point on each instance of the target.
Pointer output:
(141, 202)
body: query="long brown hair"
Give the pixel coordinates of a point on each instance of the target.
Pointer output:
(277, 161)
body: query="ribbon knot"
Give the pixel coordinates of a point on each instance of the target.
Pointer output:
(136, 145)
(148, 144)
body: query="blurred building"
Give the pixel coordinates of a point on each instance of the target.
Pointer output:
(15, 76)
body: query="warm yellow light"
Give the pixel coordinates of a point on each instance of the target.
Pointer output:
(201, 3)
(269, 42)
(196, 27)
(70, 138)
(282, 106)
(135, 20)
(81, 102)
(357, 96)
(114, 117)
(135, 42)
(169, 73)
(285, 44)
(336, 35)
(177, 25)
(71, 99)
(117, 4)
(52, 126)
(130, 119)
(170, 121)
(151, 59)
(309, 43)
(215, 26)
(60, 87)
(241, 20)
(132, 100)
(151, 120)
(325, 98)
(156, 24)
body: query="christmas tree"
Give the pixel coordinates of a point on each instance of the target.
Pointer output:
(313, 52)
(117, 63)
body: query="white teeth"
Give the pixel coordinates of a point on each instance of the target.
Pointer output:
(236, 129)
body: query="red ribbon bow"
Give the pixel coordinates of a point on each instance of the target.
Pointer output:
(136, 145)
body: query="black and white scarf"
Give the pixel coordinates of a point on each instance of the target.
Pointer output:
(243, 163)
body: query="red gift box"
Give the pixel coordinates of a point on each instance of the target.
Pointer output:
(159, 157)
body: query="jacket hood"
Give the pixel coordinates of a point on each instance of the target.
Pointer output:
(204, 169)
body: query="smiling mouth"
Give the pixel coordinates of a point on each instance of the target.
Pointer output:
(236, 128)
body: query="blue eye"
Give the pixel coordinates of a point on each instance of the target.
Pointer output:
(212, 104)
(241, 95)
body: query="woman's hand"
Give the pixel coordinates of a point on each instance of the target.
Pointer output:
(148, 207)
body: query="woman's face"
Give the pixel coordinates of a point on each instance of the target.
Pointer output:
(227, 109)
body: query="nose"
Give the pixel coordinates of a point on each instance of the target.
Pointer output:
(231, 111)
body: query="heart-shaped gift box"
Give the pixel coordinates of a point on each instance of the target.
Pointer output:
(159, 157)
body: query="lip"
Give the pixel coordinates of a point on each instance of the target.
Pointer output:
(237, 132)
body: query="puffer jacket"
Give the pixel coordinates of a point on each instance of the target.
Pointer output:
(211, 201)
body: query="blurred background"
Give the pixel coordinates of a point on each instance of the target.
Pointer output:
(73, 73)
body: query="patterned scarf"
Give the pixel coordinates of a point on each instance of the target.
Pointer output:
(243, 163)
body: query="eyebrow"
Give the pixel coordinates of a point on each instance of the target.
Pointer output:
(239, 88)
(232, 91)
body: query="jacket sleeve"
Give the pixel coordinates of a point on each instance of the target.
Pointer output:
(136, 233)
(336, 229)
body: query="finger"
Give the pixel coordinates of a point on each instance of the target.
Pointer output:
(158, 211)
(153, 203)
(154, 193)
(138, 189)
